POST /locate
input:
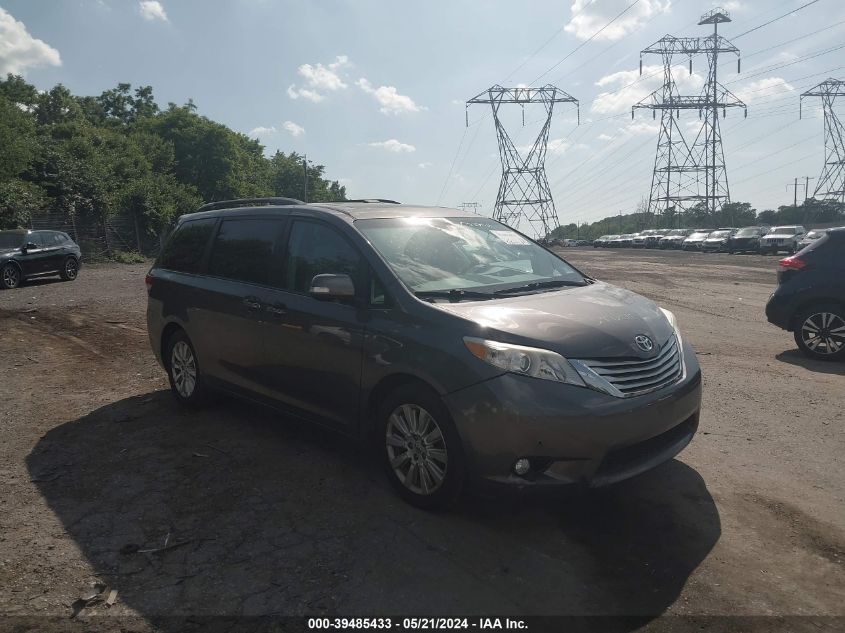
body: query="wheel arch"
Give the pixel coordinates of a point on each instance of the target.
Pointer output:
(386, 385)
(169, 330)
(15, 264)
(807, 303)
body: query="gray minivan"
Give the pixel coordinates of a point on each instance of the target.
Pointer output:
(467, 353)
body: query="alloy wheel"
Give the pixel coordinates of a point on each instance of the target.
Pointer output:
(71, 269)
(183, 367)
(11, 276)
(416, 449)
(824, 333)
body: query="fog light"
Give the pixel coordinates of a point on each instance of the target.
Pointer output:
(521, 466)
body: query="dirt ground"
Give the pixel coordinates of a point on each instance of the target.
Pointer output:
(262, 515)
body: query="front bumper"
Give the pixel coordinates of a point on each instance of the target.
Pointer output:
(572, 435)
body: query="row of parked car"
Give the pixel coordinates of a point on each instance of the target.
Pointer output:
(753, 239)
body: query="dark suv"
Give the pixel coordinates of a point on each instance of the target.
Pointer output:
(810, 297)
(463, 350)
(26, 254)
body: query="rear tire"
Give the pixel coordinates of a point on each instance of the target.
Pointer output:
(70, 270)
(420, 449)
(820, 331)
(10, 276)
(183, 371)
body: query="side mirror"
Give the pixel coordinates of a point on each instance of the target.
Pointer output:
(28, 246)
(332, 287)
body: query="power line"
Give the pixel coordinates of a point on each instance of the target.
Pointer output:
(587, 41)
(803, 6)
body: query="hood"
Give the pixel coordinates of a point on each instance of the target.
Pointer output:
(780, 236)
(717, 239)
(594, 321)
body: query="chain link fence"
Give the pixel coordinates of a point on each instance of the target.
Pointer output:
(101, 240)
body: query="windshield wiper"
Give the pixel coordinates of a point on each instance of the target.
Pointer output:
(455, 294)
(538, 285)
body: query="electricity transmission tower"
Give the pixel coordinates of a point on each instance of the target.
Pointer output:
(524, 190)
(831, 183)
(472, 207)
(679, 165)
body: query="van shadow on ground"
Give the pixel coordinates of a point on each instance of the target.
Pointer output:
(266, 516)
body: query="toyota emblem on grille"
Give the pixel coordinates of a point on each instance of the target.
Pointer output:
(644, 342)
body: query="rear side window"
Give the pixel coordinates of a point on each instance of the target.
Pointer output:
(317, 249)
(185, 248)
(246, 250)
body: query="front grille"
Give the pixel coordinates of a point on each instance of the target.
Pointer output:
(633, 377)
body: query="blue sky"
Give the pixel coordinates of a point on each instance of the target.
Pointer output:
(375, 90)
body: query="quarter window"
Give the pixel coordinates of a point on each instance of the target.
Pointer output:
(184, 250)
(246, 250)
(316, 249)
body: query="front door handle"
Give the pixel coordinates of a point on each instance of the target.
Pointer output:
(277, 310)
(252, 303)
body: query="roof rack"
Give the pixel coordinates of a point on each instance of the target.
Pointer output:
(242, 202)
(372, 201)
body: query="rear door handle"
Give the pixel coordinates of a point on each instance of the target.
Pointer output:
(252, 303)
(277, 310)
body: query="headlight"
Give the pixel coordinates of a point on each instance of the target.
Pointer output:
(527, 361)
(670, 316)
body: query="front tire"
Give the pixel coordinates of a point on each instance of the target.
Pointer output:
(70, 270)
(820, 332)
(183, 371)
(420, 448)
(10, 276)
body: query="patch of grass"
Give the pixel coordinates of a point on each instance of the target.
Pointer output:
(128, 257)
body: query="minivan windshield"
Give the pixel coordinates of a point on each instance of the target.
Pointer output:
(11, 240)
(469, 258)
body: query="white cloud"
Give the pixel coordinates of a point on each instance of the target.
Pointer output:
(626, 87)
(763, 89)
(152, 10)
(293, 128)
(392, 145)
(319, 79)
(423, 165)
(261, 131)
(19, 50)
(634, 128)
(304, 93)
(731, 6)
(554, 147)
(590, 18)
(389, 99)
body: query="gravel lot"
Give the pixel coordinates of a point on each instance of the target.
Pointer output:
(262, 515)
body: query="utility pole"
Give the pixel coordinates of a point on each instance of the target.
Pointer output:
(807, 180)
(831, 183)
(795, 197)
(524, 191)
(305, 171)
(472, 207)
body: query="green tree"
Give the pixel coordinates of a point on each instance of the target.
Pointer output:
(18, 201)
(17, 140)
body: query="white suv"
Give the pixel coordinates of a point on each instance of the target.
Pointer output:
(782, 238)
